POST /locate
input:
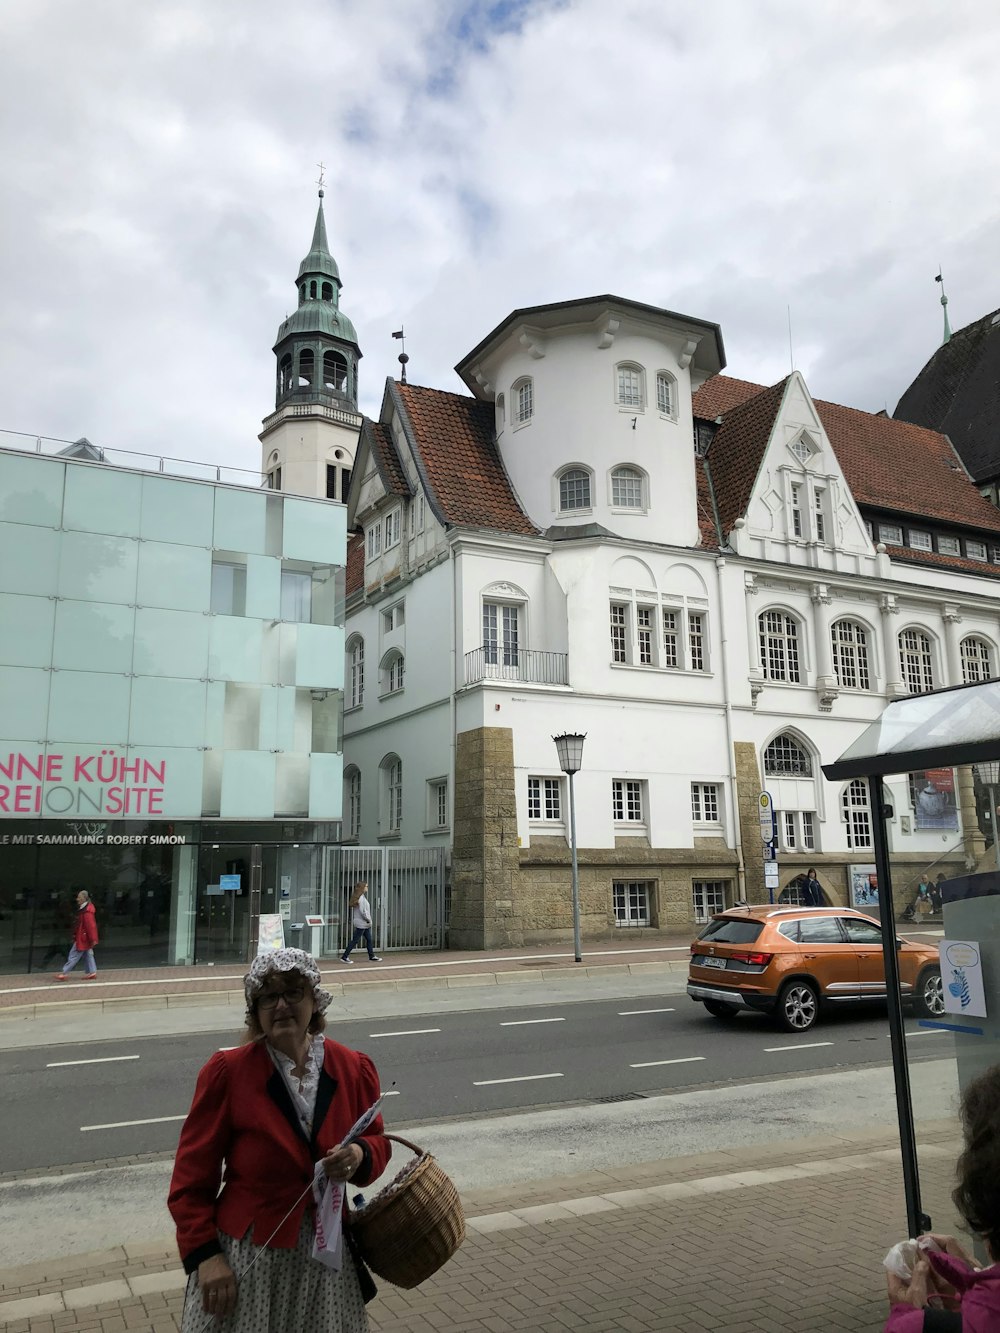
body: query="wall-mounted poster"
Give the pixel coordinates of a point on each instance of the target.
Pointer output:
(932, 794)
(864, 886)
(962, 978)
(271, 934)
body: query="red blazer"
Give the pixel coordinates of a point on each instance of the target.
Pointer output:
(243, 1116)
(85, 929)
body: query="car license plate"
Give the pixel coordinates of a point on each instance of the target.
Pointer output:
(715, 962)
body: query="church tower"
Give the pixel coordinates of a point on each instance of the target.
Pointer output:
(308, 441)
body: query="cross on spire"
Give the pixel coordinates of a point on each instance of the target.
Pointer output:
(322, 178)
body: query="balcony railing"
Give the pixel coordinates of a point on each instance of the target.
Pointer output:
(525, 665)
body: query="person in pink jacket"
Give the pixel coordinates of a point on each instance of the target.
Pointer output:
(969, 1293)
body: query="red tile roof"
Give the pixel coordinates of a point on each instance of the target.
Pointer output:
(390, 466)
(888, 464)
(906, 555)
(456, 449)
(355, 577)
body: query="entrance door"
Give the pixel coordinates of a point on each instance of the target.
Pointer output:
(224, 909)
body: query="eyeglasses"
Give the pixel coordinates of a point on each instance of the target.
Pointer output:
(292, 995)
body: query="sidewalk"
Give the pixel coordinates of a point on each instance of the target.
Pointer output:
(28, 996)
(789, 1236)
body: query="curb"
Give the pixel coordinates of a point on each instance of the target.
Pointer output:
(457, 981)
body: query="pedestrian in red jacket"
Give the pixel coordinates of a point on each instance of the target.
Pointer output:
(84, 939)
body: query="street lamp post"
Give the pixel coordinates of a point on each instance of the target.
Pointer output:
(988, 773)
(569, 747)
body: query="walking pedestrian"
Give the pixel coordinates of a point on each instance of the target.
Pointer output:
(361, 923)
(84, 939)
(812, 894)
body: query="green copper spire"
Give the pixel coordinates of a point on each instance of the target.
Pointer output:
(317, 345)
(946, 336)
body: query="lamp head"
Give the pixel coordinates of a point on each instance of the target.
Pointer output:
(569, 748)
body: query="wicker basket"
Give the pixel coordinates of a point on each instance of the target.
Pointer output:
(412, 1226)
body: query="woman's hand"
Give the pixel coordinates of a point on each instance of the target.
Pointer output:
(341, 1163)
(913, 1292)
(218, 1286)
(951, 1246)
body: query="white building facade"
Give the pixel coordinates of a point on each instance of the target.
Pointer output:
(719, 583)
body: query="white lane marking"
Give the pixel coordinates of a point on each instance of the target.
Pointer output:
(799, 1046)
(929, 1032)
(628, 1013)
(411, 1032)
(524, 1022)
(523, 1078)
(100, 1060)
(126, 1124)
(392, 1094)
(684, 1060)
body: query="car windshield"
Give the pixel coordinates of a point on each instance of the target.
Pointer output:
(725, 930)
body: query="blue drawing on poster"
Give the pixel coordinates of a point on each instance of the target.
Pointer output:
(959, 987)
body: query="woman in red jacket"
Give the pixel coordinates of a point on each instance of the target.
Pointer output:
(84, 939)
(262, 1116)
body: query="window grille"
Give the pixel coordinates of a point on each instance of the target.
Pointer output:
(708, 897)
(544, 799)
(631, 902)
(779, 647)
(619, 641)
(629, 386)
(670, 639)
(705, 802)
(644, 634)
(626, 801)
(574, 490)
(850, 655)
(784, 757)
(665, 395)
(915, 661)
(626, 488)
(696, 639)
(975, 660)
(857, 815)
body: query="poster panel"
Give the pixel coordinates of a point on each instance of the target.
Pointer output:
(271, 934)
(864, 886)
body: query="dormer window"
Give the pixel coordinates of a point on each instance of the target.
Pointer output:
(630, 386)
(523, 394)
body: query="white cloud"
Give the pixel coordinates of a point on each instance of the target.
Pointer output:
(728, 160)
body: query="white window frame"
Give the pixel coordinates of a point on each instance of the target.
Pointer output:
(391, 530)
(797, 830)
(706, 803)
(522, 393)
(630, 386)
(393, 673)
(666, 381)
(947, 545)
(708, 896)
(356, 672)
(975, 550)
(546, 802)
(393, 617)
(819, 514)
(666, 634)
(849, 652)
(919, 539)
(630, 902)
(352, 804)
(437, 805)
(628, 804)
(891, 534)
(781, 646)
(856, 813)
(391, 778)
(784, 748)
(795, 505)
(503, 632)
(374, 536)
(916, 659)
(500, 408)
(576, 471)
(635, 475)
(977, 659)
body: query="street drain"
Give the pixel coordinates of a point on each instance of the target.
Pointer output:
(622, 1097)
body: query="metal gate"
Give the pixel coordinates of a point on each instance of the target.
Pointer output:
(406, 889)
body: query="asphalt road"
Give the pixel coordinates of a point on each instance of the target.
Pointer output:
(100, 1100)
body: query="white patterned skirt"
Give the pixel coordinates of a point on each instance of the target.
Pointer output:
(285, 1290)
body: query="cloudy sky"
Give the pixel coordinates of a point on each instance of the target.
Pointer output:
(729, 159)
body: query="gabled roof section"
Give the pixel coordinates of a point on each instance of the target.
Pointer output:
(958, 392)
(888, 464)
(386, 456)
(455, 451)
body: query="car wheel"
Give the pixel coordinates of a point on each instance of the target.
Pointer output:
(720, 1009)
(929, 998)
(798, 1006)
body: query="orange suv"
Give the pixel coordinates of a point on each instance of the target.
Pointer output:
(793, 961)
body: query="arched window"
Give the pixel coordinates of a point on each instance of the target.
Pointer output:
(356, 671)
(285, 373)
(392, 672)
(391, 812)
(302, 293)
(627, 488)
(352, 804)
(629, 385)
(523, 394)
(857, 815)
(574, 490)
(850, 655)
(977, 660)
(312, 291)
(306, 361)
(779, 646)
(500, 410)
(327, 291)
(915, 661)
(785, 757)
(666, 394)
(334, 372)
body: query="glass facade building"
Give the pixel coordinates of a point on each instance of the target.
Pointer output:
(171, 701)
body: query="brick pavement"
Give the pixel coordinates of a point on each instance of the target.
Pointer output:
(786, 1236)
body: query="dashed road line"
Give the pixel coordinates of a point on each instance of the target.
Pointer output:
(797, 1046)
(99, 1060)
(527, 1022)
(521, 1078)
(127, 1124)
(629, 1013)
(682, 1060)
(410, 1032)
